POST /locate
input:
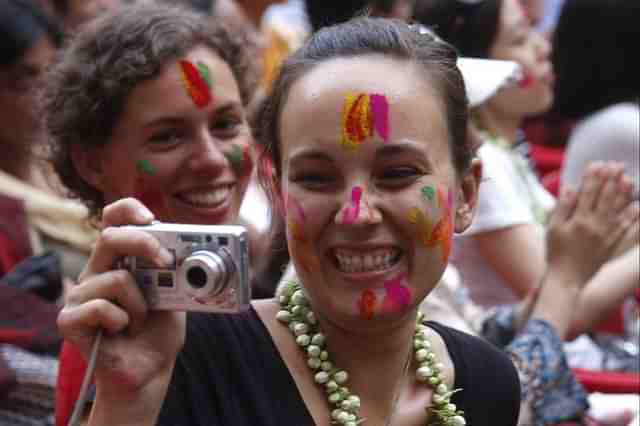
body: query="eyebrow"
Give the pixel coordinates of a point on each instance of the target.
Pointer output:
(311, 154)
(398, 148)
(222, 109)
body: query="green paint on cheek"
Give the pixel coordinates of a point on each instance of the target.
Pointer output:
(235, 156)
(144, 166)
(428, 192)
(204, 73)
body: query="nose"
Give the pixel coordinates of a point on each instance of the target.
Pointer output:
(357, 209)
(206, 157)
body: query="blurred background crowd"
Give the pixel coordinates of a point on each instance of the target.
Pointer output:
(571, 99)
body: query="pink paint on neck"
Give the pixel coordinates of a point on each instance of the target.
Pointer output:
(380, 111)
(351, 213)
(398, 295)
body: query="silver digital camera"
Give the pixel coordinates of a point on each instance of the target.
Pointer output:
(210, 271)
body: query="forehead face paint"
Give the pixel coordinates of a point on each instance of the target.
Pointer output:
(197, 81)
(361, 114)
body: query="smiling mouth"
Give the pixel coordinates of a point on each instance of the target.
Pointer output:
(352, 261)
(211, 197)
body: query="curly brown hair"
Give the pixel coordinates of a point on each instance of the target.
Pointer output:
(88, 88)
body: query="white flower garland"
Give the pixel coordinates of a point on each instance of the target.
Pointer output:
(297, 314)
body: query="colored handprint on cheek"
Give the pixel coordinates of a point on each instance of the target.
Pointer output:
(197, 81)
(398, 296)
(351, 213)
(240, 159)
(362, 114)
(367, 304)
(440, 233)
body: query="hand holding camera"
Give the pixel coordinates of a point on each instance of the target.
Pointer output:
(144, 328)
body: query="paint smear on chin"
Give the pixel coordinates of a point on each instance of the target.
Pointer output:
(367, 304)
(398, 296)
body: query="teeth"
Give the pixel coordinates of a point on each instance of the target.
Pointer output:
(207, 198)
(378, 260)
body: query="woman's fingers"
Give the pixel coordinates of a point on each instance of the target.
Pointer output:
(115, 243)
(79, 323)
(117, 287)
(591, 185)
(127, 211)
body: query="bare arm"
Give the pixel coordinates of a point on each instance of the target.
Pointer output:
(611, 285)
(517, 254)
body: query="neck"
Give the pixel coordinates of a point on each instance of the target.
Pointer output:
(362, 356)
(500, 125)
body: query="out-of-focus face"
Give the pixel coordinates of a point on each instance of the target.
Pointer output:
(18, 82)
(402, 9)
(368, 185)
(518, 41)
(182, 145)
(80, 12)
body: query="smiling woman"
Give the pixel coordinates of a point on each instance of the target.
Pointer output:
(374, 174)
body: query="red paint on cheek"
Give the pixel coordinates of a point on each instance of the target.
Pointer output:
(526, 81)
(153, 199)
(366, 304)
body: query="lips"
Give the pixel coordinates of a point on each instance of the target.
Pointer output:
(366, 260)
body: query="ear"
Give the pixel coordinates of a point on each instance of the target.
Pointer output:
(87, 162)
(468, 196)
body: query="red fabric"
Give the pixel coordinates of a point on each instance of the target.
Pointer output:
(551, 182)
(70, 374)
(14, 233)
(613, 323)
(608, 381)
(546, 159)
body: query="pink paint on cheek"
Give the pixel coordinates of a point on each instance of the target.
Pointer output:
(380, 112)
(397, 296)
(526, 81)
(450, 199)
(351, 213)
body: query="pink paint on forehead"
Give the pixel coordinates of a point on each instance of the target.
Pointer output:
(351, 213)
(380, 110)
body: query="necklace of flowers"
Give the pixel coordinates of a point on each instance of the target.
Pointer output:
(296, 313)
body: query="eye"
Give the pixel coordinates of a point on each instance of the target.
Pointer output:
(167, 137)
(399, 175)
(311, 180)
(227, 126)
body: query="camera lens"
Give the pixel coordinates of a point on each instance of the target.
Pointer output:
(197, 277)
(207, 273)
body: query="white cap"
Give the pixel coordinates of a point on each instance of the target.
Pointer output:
(485, 77)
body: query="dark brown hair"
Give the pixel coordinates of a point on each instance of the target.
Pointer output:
(364, 36)
(88, 88)
(470, 26)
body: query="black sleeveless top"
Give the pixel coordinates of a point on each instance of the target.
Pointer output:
(230, 373)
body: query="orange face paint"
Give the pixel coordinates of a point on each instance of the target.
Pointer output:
(361, 114)
(366, 304)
